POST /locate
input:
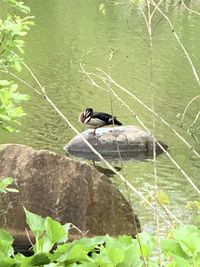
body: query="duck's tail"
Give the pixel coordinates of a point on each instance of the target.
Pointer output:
(115, 121)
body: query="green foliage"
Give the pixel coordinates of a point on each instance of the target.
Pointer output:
(5, 183)
(6, 241)
(9, 98)
(47, 232)
(182, 248)
(13, 28)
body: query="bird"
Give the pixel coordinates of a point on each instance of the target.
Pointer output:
(96, 120)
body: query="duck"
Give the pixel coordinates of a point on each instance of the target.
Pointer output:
(96, 120)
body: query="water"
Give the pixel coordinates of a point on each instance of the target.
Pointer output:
(71, 32)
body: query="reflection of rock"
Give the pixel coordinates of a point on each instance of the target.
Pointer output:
(106, 171)
(132, 142)
(70, 191)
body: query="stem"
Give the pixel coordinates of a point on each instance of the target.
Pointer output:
(186, 108)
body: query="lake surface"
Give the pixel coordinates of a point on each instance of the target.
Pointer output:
(71, 32)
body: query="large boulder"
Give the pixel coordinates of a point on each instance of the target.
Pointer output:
(70, 191)
(124, 142)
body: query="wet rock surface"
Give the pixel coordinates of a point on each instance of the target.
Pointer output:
(53, 185)
(114, 143)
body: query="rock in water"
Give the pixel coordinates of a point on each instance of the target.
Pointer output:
(69, 191)
(124, 142)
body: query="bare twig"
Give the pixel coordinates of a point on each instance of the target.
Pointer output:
(132, 112)
(112, 53)
(148, 108)
(21, 80)
(81, 232)
(186, 108)
(179, 41)
(148, 22)
(167, 153)
(193, 123)
(29, 239)
(189, 9)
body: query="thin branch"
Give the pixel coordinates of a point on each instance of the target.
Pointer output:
(189, 9)
(153, 12)
(179, 42)
(75, 227)
(148, 108)
(163, 149)
(133, 113)
(121, 161)
(29, 239)
(195, 120)
(166, 210)
(186, 108)
(21, 80)
(157, 23)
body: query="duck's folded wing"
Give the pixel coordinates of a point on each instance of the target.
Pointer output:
(102, 116)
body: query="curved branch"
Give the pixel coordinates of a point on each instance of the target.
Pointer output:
(186, 108)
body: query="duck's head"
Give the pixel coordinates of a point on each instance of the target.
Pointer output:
(88, 112)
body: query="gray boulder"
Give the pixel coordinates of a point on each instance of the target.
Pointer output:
(70, 191)
(114, 143)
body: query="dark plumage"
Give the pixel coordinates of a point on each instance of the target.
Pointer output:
(97, 119)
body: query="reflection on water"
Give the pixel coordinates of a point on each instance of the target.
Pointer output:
(69, 32)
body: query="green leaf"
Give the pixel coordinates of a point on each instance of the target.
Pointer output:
(9, 128)
(6, 236)
(55, 231)
(20, 97)
(44, 244)
(172, 247)
(17, 66)
(8, 262)
(36, 260)
(102, 259)
(162, 197)
(6, 241)
(90, 243)
(115, 255)
(35, 222)
(6, 182)
(77, 253)
(181, 262)
(12, 190)
(87, 264)
(4, 83)
(147, 244)
(132, 255)
(188, 237)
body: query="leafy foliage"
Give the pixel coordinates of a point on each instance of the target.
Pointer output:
(12, 30)
(181, 248)
(5, 183)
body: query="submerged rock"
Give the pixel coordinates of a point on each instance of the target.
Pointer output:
(114, 143)
(69, 191)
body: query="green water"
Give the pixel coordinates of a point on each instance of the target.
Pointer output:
(74, 31)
